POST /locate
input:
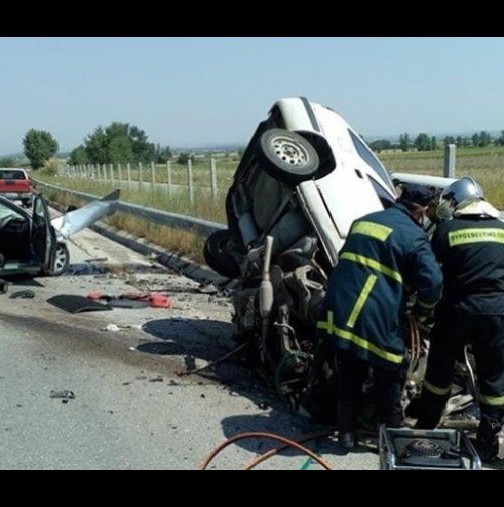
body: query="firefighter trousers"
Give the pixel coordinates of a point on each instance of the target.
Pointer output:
(451, 332)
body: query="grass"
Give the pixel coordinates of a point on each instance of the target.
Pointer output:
(486, 165)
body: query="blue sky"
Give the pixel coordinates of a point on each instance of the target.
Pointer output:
(187, 91)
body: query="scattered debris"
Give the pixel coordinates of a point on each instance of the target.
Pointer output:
(112, 328)
(76, 304)
(22, 294)
(98, 259)
(64, 396)
(157, 379)
(4, 286)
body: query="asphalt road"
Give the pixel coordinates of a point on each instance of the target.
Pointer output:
(132, 409)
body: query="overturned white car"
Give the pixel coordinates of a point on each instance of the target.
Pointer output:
(305, 176)
(30, 243)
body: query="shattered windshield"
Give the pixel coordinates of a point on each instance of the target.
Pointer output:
(7, 214)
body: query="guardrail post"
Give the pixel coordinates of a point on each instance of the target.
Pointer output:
(449, 160)
(190, 180)
(111, 166)
(213, 179)
(168, 178)
(140, 173)
(153, 177)
(104, 169)
(128, 171)
(119, 171)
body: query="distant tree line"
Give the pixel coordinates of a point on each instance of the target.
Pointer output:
(424, 142)
(118, 143)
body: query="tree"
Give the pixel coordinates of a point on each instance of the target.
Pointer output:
(433, 143)
(7, 162)
(500, 140)
(183, 158)
(459, 142)
(485, 139)
(475, 140)
(422, 142)
(78, 156)
(163, 154)
(448, 140)
(380, 145)
(404, 142)
(119, 143)
(96, 146)
(39, 147)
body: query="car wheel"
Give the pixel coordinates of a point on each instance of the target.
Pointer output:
(287, 157)
(61, 261)
(217, 255)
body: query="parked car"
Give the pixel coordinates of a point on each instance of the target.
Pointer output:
(305, 176)
(32, 243)
(15, 184)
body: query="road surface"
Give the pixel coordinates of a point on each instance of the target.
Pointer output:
(132, 409)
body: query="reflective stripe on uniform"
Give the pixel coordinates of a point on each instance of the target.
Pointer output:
(376, 231)
(425, 305)
(494, 401)
(371, 263)
(331, 329)
(466, 236)
(361, 300)
(438, 391)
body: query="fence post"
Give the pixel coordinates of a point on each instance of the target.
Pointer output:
(104, 169)
(153, 177)
(140, 176)
(128, 171)
(111, 166)
(119, 170)
(213, 178)
(190, 180)
(168, 180)
(449, 160)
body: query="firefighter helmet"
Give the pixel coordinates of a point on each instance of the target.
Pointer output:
(457, 195)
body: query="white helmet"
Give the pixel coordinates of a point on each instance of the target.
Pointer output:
(458, 195)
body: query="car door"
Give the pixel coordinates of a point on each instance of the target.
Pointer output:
(43, 237)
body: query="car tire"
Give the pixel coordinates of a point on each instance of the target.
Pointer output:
(287, 156)
(217, 255)
(61, 261)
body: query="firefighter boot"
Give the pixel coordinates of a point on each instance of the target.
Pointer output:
(346, 424)
(487, 438)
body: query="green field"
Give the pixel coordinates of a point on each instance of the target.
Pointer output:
(486, 165)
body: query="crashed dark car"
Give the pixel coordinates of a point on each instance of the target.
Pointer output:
(31, 243)
(305, 176)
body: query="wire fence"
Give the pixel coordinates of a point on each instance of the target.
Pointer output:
(211, 175)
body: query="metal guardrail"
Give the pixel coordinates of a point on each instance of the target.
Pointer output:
(174, 220)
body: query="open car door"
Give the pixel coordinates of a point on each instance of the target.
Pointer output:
(43, 236)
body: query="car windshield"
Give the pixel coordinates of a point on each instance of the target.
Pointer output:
(7, 214)
(12, 175)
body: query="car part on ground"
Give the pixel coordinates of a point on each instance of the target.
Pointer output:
(76, 304)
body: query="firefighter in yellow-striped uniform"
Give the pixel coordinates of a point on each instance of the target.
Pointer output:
(386, 255)
(470, 247)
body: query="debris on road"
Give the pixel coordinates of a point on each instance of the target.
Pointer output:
(4, 286)
(76, 304)
(64, 396)
(22, 294)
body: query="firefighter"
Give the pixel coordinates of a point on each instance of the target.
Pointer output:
(470, 248)
(386, 255)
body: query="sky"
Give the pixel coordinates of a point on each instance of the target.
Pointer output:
(195, 91)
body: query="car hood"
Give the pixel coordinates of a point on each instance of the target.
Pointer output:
(74, 221)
